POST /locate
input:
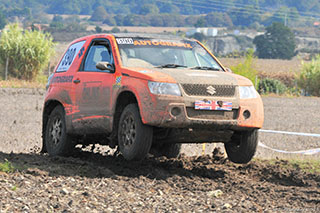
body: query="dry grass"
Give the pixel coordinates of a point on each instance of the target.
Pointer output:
(283, 70)
(15, 83)
(268, 65)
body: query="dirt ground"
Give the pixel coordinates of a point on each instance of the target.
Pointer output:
(100, 182)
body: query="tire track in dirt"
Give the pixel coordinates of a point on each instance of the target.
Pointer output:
(98, 181)
(94, 182)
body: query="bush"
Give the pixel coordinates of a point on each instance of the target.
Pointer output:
(287, 78)
(98, 29)
(115, 30)
(246, 68)
(309, 78)
(269, 85)
(28, 51)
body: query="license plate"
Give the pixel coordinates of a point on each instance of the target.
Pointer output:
(213, 105)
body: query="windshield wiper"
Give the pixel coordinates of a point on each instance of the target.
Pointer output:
(205, 68)
(170, 66)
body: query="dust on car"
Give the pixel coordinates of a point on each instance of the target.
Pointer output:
(148, 94)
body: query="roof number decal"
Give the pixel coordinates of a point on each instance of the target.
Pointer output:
(124, 40)
(69, 56)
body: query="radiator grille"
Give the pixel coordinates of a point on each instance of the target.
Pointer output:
(204, 89)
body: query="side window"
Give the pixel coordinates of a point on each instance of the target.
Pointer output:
(69, 56)
(98, 52)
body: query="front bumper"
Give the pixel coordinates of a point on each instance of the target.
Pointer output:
(177, 112)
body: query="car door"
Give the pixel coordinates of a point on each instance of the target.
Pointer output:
(92, 89)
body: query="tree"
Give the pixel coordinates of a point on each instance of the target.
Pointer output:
(199, 36)
(3, 20)
(109, 20)
(149, 9)
(99, 14)
(98, 29)
(28, 51)
(277, 42)
(201, 22)
(245, 16)
(155, 20)
(134, 20)
(115, 30)
(218, 20)
(57, 23)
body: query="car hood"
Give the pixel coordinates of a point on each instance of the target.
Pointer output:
(190, 76)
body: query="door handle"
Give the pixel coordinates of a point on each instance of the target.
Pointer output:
(76, 81)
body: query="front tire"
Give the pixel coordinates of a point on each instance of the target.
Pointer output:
(134, 137)
(242, 146)
(58, 142)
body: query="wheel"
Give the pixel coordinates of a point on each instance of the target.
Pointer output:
(134, 138)
(242, 146)
(168, 150)
(58, 142)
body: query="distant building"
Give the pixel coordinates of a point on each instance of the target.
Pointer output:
(210, 32)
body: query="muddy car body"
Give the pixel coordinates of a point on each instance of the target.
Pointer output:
(144, 93)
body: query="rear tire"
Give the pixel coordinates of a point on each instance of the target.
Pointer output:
(242, 146)
(168, 150)
(57, 142)
(134, 138)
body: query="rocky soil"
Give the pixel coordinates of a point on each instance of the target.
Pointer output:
(102, 182)
(89, 182)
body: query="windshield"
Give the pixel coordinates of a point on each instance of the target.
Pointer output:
(150, 53)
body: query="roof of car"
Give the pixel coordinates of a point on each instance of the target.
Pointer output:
(137, 35)
(151, 36)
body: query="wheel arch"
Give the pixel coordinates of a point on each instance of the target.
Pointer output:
(47, 109)
(125, 98)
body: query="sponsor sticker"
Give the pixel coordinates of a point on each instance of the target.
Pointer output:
(153, 43)
(118, 81)
(161, 43)
(62, 79)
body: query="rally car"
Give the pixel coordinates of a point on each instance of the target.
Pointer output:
(148, 93)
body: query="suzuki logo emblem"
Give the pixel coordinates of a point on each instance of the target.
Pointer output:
(211, 90)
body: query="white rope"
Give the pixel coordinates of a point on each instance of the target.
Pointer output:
(290, 133)
(303, 152)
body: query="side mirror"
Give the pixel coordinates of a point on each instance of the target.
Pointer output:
(105, 66)
(228, 69)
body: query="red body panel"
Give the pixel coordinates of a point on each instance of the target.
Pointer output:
(89, 98)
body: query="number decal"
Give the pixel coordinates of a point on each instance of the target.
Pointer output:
(69, 56)
(124, 40)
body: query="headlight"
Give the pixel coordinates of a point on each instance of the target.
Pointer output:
(164, 88)
(247, 92)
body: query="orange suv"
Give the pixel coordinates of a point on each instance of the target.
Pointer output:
(148, 92)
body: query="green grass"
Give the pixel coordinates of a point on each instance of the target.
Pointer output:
(312, 166)
(306, 165)
(7, 167)
(14, 188)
